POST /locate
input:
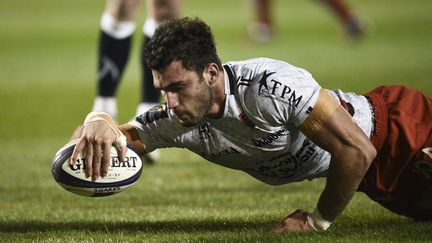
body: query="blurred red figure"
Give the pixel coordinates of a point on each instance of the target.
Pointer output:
(261, 29)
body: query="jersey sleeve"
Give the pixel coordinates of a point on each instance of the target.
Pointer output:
(281, 94)
(157, 129)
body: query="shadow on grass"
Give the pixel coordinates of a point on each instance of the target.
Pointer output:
(143, 226)
(376, 230)
(380, 228)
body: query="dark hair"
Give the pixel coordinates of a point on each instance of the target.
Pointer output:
(188, 40)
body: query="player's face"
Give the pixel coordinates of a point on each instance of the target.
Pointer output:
(187, 93)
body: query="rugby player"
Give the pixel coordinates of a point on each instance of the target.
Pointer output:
(273, 121)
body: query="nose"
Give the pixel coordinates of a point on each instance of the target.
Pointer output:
(172, 100)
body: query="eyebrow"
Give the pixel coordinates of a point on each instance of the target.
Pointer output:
(171, 86)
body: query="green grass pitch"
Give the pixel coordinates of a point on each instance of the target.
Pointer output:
(47, 83)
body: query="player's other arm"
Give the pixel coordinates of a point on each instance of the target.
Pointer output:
(96, 136)
(351, 155)
(333, 129)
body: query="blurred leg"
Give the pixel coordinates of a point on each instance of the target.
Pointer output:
(158, 12)
(260, 30)
(350, 22)
(117, 27)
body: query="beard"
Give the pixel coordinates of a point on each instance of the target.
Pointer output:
(199, 106)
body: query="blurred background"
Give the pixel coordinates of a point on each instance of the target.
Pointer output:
(48, 53)
(48, 60)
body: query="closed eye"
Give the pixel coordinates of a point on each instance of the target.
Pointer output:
(176, 87)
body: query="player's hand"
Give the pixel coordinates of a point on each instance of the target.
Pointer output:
(96, 137)
(295, 222)
(95, 144)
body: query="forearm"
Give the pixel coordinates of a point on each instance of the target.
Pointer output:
(132, 137)
(344, 176)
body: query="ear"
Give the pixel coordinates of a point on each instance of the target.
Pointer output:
(212, 72)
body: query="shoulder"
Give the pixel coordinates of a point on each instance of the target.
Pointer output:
(262, 63)
(270, 76)
(272, 90)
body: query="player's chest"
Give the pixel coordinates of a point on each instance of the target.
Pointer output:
(235, 142)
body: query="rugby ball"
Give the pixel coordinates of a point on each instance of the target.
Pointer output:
(121, 174)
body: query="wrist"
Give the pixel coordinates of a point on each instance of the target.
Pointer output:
(317, 221)
(102, 116)
(96, 116)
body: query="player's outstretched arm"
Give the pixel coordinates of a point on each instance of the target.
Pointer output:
(333, 129)
(96, 136)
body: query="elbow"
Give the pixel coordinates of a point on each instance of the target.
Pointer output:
(371, 152)
(359, 157)
(368, 154)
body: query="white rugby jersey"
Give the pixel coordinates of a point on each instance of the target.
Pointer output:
(266, 100)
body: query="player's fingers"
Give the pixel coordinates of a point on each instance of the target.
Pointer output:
(77, 150)
(121, 146)
(278, 228)
(89, 160)
(295, 222)
(122, 153)
(106, 159)
(97, 157)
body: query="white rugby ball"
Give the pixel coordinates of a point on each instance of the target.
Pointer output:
(121, 174)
